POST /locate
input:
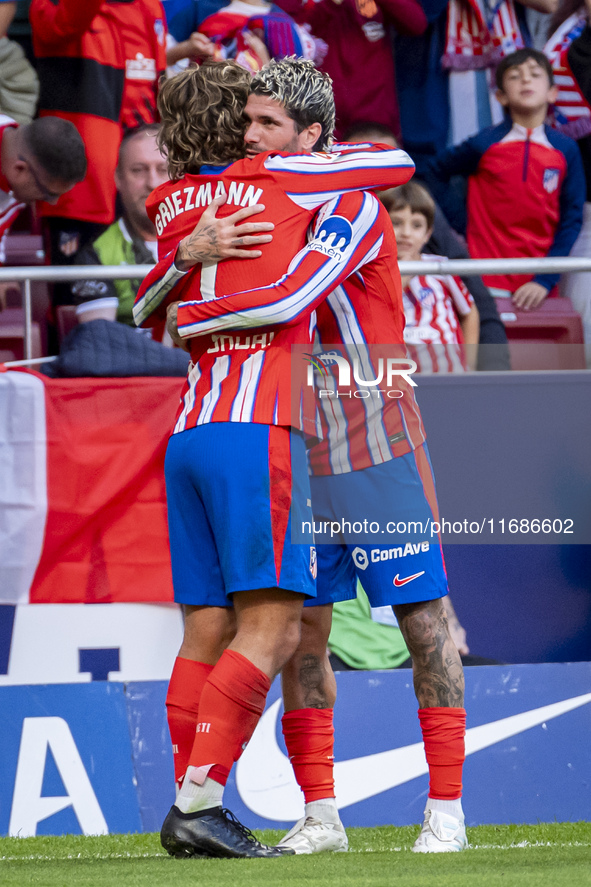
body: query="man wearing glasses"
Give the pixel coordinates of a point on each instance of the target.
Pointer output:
(39, 161)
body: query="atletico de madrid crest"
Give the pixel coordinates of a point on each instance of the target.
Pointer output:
(313, 562)
(551, 178)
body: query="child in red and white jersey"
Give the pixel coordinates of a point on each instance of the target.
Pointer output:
(526, 183)
(440, 313)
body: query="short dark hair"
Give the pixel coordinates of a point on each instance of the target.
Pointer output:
(357, 131)
(518, 58)
(57, 146)
(412, 195)
(130, 134)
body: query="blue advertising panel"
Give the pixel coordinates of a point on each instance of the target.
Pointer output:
(152, 750)
(527, 743)
(96, 758)
(65, 761)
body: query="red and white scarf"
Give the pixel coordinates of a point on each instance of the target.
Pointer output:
(572, 112)
(480, 33)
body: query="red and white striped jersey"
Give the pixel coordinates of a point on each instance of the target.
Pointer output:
(363, 320)
(571, 112)
(241, 354)
(9, 205)
(478, 35)
(433, 305)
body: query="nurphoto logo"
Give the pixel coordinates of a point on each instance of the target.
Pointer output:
(366, 375)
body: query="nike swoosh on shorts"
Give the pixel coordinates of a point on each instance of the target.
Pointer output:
(398, 582)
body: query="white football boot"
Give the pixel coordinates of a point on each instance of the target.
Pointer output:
(441, 833)
(311, 835)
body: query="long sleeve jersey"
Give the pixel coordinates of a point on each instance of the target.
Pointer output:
(525, 195)
(241, 343)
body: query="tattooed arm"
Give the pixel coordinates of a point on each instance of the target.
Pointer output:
(211, 240)
(214, 239)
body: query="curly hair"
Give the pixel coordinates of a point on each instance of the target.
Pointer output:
(202, 114)
(305, 93)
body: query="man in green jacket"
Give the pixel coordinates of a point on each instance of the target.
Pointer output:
(131, 239)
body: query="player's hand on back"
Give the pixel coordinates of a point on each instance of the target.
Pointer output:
(172, 328)
(232, 237)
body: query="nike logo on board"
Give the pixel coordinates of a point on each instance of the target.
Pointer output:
(266, 784)
(398, 582)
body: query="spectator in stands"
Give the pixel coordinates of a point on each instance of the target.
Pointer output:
(276, 35)
(445, 242)
(359, 57)
(183, 42)
(39, 161)
(250, 31)
(131, 239)
(440, 312)
(99, 63)
(525, 180)
(446, 88)
(194, 49)
(569, 51)
(19, 84)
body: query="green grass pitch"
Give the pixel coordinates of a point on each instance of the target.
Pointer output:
(556, 854)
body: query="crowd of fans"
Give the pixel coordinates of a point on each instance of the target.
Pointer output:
(493, 103)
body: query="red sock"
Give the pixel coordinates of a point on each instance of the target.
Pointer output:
(309, 737)
(182, 705)
(443, 735)
(232, 703)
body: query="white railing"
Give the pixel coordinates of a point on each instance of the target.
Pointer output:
(459, 267)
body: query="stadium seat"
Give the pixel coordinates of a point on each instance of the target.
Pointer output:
(12, 335)
(23, 249)
(548, 338)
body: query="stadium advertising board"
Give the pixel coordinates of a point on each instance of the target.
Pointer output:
(96, 758)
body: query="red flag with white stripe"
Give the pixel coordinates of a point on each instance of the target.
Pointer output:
(82, 499)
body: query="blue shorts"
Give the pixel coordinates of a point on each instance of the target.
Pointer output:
(396, 500)
(233, 490)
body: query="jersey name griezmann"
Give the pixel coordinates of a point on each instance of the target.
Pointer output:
(185, 199)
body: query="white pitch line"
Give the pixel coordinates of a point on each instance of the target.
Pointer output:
(522, 845)
(38, 857)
